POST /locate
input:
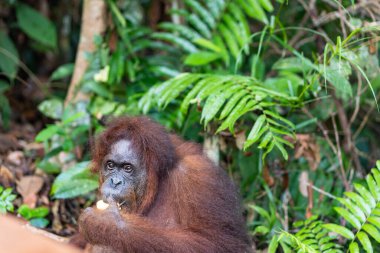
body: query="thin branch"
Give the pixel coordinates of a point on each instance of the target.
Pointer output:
(323, 129)
(342, 171)
(357, 100)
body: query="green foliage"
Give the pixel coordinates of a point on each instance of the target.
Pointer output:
(361, 210)
(214, 30)
(36, 26)
(35, 216)
(313, 237)
(227, 98)
(74, 182)
(8, 56)
(6, 200)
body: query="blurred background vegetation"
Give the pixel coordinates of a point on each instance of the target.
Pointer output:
(282, 94)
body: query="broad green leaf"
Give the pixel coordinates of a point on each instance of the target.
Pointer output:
(212, 106)
(201, 58)
(372, 231)
(365, 194)
(74, 188)
(354, 247)
(75, 181)
(335, 76)
(229, 38)
(349, 217)
(353, 208)
(63, 71)
(231, 103)
(267, 5)
(52, 108)
(374, 220)
(375, 191)
(364, 240)
(293, 64)
(340, 230)
(273, 245)
(207, 44)
(29, 213)
(359, 201)
(9, 58)
(39, 222)
(47, 133)
(36, 26)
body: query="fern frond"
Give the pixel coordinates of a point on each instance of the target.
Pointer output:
(311, 238)
(361, 210)
(225, 99)
(224, 23)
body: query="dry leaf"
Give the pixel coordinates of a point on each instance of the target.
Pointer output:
(267, 176)
(28, 187)
(15, 158)
(6, 176)
(240, 139)
(303, 183)
(307, 147)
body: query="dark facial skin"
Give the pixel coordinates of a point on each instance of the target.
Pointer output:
(124, 177)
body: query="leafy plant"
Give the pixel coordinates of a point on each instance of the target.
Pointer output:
(35, 216)
(313, 237)
(76, 181)
(6, 199)
(361, 210)
(227, 98)
(213, 30)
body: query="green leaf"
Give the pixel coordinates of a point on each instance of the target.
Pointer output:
(213, 103)
(353, 208)
(359, 201)
(346, 233)
(39, 222)
(36, 26)
(364, 240)
(52, 108)
(374, 220)
(267, 5)
(372, 231)
(207, 44)
(253, 134)
(335, 76)
(47, 133)
(9, 58)
(354, 248)
(63, 71)
(375, 191)
(349, 217)
(76, 181)
(201, 58)
(282, 149)
(74, 188)
(293, 64)
(273, 245)
(29, 213)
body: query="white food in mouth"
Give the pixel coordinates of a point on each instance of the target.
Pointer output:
(102, 205)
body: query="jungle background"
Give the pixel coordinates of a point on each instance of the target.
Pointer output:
(283, 95)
